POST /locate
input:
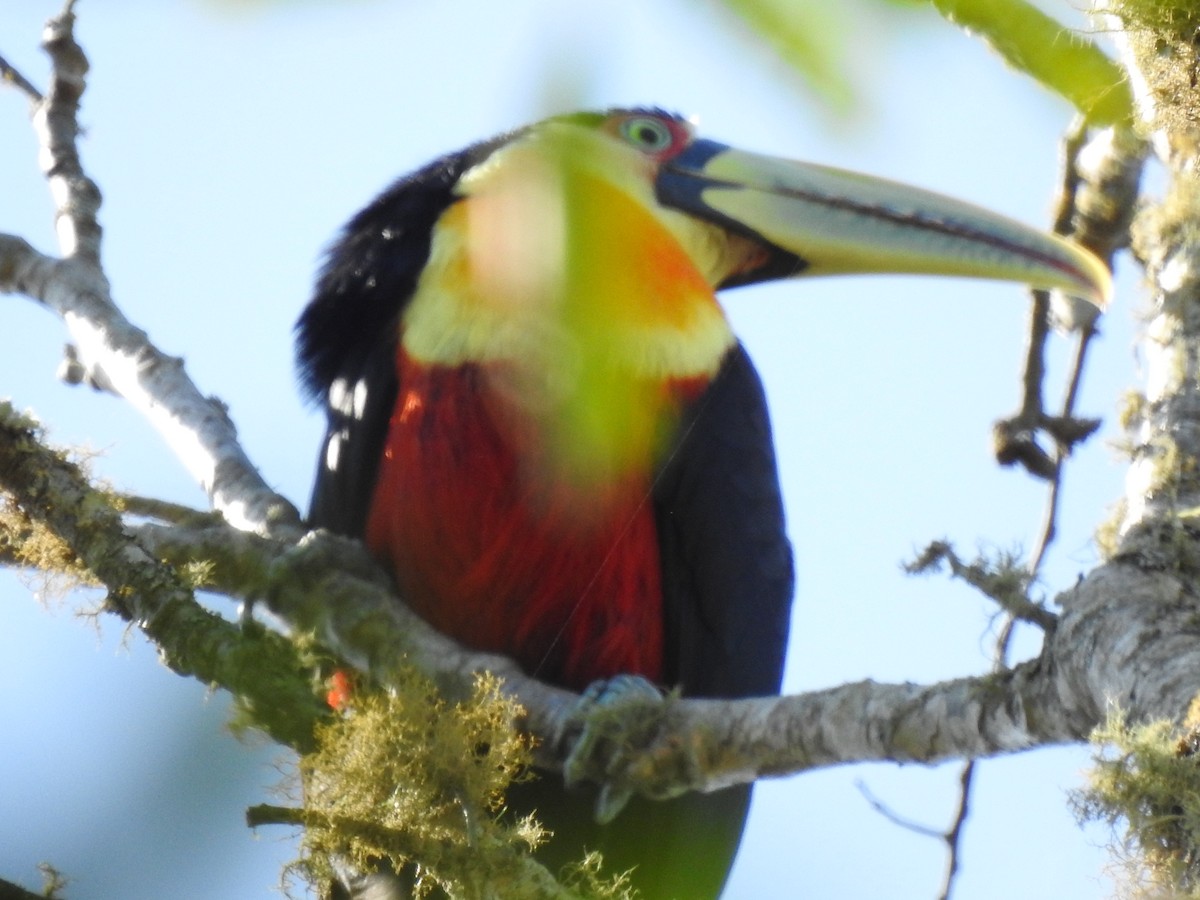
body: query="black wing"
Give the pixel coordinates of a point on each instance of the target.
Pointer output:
(727, 564)
(346, 337)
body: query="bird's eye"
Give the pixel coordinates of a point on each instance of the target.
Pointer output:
(647, 134)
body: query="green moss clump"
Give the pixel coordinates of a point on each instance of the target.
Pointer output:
(26, 540)
(1149, 778)
(1164, 35)
(407, 781)
(406, 778)
(1178, 17)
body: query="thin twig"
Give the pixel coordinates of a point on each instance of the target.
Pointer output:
(952, 837)
(1015, 438)
(57, 122)
(999, 579)
(892, 816)
(1050, 518)
(11, 76)
(271, 814)
(165, 511)
(1034, 373)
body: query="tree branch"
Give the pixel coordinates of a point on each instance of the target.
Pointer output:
(704, 745)
(1096, 200)
(115, 355)
(259, 667)
(51, 890)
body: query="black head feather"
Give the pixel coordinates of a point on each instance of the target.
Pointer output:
(372, 268)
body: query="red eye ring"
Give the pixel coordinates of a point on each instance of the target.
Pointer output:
(657, 136)
(648, 133)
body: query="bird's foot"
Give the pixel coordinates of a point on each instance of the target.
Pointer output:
(320, 551)
(613, 723)
(304, 586)
(311, 561)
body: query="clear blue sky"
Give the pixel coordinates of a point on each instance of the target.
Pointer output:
(230, 143)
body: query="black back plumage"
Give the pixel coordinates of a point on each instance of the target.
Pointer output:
(726, 561)
(371, 270)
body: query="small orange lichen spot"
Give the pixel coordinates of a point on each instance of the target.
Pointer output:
(341, 690)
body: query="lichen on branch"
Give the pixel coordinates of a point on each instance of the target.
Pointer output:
(1146, 778)
(407, 781)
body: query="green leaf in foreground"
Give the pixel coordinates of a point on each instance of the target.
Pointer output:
(1065, 61)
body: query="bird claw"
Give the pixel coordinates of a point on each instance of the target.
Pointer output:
(605, 732)
(320, 551)
(611, 801)
(312, 560)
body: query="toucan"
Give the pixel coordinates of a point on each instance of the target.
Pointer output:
(543, 427)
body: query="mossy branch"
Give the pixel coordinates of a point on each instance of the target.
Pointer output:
(1147, 779)
(1002, 578)
(46, 490)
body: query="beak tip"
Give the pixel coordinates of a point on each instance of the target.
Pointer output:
(1096, 279)
(1073, 313)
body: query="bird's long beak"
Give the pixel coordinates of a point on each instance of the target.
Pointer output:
(816, 220)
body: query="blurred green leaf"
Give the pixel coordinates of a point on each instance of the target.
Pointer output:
(811, 37)
(814, 38)
(1060, 59)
